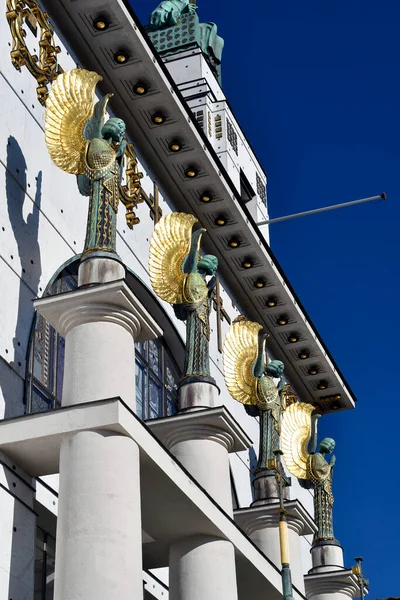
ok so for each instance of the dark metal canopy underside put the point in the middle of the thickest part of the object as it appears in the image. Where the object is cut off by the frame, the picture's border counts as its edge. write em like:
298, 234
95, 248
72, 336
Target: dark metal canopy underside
95, 51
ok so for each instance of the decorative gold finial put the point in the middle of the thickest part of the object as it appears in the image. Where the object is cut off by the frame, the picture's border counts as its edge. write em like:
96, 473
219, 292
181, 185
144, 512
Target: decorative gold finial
44, 67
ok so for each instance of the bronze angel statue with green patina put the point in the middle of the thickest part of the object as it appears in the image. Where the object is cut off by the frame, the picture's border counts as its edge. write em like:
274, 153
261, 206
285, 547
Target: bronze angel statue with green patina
249, 377
306, 460
178, 275
81, 143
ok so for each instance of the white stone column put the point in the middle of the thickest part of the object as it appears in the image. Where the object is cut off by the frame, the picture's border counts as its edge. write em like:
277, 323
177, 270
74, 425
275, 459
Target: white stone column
99, 545
99, 552
260, 523
203, 447
201, 440
203, 451
203, 567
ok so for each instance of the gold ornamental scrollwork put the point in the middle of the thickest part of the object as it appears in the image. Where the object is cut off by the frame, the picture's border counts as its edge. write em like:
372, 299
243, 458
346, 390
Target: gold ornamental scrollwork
131, 192
44, 67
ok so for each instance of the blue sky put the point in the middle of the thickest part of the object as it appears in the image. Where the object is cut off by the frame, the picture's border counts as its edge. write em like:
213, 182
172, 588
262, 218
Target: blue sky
316, 88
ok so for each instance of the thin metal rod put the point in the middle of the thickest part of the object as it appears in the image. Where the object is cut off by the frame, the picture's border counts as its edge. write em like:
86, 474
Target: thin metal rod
320, 210
286, 574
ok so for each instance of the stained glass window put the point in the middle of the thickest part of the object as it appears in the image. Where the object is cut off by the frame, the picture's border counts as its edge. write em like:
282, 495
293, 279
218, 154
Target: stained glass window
43, 383
157, 380
157, 375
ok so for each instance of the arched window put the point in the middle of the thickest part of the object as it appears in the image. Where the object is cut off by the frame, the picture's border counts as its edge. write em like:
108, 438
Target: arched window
157, 371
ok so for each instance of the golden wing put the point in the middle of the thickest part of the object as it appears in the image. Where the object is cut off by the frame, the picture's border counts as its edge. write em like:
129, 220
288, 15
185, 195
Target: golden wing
69, 106
170, 244
240, 352
295, 434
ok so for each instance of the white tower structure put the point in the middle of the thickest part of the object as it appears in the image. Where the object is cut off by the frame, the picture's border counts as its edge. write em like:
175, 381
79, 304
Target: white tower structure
200, 86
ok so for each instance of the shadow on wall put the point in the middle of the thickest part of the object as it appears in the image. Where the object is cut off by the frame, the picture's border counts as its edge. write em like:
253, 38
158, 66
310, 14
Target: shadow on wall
23, 534
26, 235
252, 465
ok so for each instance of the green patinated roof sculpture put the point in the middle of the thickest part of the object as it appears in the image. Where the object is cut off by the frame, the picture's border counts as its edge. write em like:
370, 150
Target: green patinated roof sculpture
174, 25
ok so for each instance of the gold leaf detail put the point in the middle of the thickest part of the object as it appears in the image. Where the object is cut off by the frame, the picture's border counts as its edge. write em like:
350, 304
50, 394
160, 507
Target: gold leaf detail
169, 246
69, 105
240, 352
44, 68
295, 434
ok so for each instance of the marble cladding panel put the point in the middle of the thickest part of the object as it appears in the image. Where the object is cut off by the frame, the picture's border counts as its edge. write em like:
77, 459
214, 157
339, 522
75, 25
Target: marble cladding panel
17, 535
46, 497
11, 390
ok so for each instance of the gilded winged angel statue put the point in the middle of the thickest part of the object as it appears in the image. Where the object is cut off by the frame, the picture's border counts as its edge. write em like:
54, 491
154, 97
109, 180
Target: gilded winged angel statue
249, 378
307, 463
178, 276
79, 142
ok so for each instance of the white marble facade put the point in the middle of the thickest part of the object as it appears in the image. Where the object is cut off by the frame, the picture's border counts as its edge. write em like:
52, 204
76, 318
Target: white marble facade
42, 225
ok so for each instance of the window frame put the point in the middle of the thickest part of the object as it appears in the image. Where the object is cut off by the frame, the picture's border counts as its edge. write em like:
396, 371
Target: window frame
161, 380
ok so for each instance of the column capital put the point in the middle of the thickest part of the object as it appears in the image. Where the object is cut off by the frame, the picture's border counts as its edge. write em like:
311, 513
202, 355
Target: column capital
332, 582
255, 518
216, 424
111, 302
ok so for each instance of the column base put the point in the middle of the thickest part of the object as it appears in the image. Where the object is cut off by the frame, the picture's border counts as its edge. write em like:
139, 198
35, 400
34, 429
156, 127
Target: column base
327, 555
198, 395
266, 488
100, 267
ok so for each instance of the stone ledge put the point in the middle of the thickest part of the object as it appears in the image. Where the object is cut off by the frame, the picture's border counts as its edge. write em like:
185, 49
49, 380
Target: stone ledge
332, 582
174, 506
201, 424
257, 517
112, 302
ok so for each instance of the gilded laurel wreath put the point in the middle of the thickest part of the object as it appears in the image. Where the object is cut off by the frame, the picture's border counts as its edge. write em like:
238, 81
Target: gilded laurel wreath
240, 352
72, 118
169, 246
295, 434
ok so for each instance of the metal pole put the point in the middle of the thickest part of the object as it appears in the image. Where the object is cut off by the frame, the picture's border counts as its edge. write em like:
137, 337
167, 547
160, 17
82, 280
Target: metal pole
320, 210
287, 588
362, 582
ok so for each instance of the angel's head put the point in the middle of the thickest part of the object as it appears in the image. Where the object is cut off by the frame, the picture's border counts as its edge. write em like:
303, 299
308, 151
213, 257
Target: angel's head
208, 264
327, 445
115, 129
275, 368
